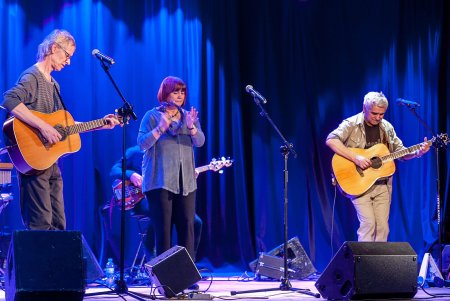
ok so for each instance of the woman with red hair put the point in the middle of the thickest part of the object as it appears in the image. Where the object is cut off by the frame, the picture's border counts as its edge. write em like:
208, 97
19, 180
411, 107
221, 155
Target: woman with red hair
167, 135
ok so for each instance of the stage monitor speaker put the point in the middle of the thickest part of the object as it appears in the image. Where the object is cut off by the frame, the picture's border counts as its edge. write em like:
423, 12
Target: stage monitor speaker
370, 270
173, 271
45, 265
93, 269
271, 266
299, 264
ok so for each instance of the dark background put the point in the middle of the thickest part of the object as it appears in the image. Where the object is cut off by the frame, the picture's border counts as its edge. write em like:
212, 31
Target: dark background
313, 60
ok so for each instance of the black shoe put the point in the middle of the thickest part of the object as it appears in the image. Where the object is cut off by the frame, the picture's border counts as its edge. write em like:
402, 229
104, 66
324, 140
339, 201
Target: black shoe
194, 287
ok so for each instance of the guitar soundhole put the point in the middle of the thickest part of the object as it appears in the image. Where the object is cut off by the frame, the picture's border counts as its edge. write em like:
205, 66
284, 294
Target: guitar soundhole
376, 162
62, 131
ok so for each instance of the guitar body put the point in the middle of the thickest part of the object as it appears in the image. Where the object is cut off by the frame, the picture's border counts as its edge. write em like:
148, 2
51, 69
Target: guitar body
352, 180
28, 152
133, 194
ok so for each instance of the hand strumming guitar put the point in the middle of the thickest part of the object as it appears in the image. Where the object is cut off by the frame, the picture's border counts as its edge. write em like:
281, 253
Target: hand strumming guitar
136, 179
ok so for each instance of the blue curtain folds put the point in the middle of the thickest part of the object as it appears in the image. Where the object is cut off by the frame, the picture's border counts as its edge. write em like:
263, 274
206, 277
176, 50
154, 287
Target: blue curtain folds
313, 60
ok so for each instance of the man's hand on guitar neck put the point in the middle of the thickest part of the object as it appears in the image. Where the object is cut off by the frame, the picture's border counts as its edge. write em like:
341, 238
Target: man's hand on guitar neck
112, 120
424, 148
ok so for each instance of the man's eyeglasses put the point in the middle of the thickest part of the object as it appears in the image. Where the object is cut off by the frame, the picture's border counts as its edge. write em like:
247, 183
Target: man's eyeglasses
65, 51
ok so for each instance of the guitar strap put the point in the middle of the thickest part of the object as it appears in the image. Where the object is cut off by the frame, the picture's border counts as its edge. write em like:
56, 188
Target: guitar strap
55, 108
384, 138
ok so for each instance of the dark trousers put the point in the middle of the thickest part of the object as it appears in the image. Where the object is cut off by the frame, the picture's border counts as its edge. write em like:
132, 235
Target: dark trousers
167, 208
41, 200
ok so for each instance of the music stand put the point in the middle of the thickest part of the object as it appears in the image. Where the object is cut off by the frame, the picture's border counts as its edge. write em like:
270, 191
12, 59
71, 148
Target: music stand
286, 149
126, 111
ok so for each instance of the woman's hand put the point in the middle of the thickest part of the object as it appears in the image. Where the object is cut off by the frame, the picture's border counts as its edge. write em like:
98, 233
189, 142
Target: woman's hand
191, 117
164, 122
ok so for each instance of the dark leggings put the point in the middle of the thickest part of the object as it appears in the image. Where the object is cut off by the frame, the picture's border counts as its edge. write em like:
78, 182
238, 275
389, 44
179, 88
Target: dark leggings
167, 208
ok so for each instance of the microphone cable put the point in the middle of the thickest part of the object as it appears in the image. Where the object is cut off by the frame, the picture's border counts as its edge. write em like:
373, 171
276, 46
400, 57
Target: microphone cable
333, 182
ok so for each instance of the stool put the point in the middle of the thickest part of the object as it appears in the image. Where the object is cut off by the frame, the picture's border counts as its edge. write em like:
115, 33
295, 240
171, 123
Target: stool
142, 220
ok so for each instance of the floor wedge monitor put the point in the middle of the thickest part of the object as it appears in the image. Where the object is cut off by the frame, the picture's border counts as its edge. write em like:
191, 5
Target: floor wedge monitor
173, 271
370, 270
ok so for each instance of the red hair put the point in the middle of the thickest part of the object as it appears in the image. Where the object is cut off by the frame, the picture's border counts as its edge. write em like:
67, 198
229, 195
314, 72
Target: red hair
170, 84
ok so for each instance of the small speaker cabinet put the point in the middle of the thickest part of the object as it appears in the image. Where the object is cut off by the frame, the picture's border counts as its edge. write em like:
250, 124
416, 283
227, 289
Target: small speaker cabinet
173, 271
298, 261
270, 266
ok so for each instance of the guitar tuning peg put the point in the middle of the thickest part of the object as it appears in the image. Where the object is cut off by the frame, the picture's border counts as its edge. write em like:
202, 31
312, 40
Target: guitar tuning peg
213, 160
220, 171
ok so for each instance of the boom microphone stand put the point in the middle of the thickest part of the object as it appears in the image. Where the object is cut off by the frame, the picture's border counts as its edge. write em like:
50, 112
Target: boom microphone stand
286, 149
440, 141
126, 111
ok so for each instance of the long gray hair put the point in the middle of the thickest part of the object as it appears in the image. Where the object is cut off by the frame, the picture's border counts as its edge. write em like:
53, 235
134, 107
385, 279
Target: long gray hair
59, 36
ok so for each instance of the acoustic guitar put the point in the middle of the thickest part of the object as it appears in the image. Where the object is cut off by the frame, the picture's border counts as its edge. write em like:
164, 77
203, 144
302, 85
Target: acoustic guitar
354, 181
29, 150
133, 194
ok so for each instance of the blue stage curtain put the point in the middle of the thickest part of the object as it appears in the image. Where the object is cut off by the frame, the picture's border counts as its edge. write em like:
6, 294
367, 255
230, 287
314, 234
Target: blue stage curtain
313, 60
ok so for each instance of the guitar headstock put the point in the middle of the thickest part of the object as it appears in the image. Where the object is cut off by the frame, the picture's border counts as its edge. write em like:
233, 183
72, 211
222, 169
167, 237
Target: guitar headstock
440, 140
217, 165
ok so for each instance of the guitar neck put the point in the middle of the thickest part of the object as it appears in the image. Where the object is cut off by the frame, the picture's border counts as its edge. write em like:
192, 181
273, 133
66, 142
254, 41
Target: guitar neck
403, 152
86, 126
203, 168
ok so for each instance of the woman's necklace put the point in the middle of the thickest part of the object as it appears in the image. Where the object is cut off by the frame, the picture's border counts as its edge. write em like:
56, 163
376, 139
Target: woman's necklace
171, 116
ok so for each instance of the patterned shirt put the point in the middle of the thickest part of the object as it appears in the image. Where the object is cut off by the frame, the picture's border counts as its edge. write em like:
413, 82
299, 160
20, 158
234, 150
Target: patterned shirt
35, 92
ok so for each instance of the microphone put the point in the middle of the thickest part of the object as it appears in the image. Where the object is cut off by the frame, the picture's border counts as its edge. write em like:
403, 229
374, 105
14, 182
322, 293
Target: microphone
103, 57
407, 103
255, 93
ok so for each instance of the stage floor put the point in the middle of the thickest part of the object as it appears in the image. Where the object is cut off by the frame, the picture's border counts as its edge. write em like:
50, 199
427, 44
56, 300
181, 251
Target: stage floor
221, 287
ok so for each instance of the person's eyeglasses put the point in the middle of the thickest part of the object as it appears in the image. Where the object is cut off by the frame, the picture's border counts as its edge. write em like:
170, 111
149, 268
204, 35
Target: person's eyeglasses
65, 51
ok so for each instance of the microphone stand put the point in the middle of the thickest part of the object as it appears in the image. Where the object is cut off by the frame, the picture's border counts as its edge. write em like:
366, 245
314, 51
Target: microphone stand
126, 111
286, 149
438, 143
